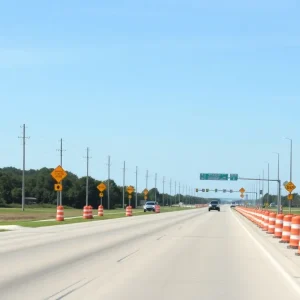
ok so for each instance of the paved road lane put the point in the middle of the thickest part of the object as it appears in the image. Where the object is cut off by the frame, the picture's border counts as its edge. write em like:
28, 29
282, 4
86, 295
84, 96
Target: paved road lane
182, 255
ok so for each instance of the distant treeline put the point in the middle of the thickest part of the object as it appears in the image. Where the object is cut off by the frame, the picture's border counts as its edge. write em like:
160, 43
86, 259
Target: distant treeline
40, 185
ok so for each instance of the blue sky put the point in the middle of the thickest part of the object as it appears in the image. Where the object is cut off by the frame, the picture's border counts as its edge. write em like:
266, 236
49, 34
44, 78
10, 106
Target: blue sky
176, 87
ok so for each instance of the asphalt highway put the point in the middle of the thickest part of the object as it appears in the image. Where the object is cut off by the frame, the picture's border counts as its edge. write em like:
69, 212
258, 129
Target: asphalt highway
192, 254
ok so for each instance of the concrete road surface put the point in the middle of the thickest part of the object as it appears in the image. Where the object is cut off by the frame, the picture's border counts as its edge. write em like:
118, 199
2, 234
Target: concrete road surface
192, 254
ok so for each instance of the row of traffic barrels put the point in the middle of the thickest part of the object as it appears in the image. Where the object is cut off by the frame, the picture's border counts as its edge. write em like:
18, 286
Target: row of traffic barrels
285, 227
201, 205
88, 212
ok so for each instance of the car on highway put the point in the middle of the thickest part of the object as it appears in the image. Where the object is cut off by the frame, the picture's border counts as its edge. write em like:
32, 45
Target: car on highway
214, 205
233, 204
149, 206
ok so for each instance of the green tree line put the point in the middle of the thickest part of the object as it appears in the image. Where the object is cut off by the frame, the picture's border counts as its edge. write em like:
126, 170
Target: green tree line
284, 200
40, 185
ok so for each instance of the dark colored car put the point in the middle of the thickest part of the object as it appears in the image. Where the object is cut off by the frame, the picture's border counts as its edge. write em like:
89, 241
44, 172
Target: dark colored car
214, 205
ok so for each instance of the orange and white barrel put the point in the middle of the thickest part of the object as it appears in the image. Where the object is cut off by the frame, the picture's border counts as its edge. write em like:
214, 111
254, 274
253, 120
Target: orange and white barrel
278, 226
86, 212
295, 233
128, 211
298, 252
262, 219
60, 215
157, 209
91, 212
286, 229
100, 211
266, 222
272, 221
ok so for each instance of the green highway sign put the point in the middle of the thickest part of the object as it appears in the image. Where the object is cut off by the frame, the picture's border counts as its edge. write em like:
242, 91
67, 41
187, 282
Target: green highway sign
218, 176
234, 177
213, 176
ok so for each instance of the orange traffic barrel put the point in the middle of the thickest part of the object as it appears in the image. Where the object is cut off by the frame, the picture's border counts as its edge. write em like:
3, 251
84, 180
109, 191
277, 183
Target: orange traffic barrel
128, 211
91, 212
278, 226
298, 253
100, 211
60, 215
257, 217
295, 233
262, 222
286, 229
262, 219
86, 212
266, 223
272, 220
157, 209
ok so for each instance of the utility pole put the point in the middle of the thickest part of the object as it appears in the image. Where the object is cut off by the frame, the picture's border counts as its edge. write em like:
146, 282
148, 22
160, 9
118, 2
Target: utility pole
263, 183
259, 191
279, 187
108, 182
291, 166
170, 192
268, 182
87, 177
164, 190
61, 163
155, 186
186, 194
136, 186
23, 137
147, 176
179, 194
124, 186
175, 200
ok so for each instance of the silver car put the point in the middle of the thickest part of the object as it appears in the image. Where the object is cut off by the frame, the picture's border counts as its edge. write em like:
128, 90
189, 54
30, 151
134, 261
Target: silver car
149, 206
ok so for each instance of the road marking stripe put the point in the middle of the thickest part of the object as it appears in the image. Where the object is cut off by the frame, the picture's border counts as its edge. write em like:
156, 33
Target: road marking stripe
283, 272
123, 258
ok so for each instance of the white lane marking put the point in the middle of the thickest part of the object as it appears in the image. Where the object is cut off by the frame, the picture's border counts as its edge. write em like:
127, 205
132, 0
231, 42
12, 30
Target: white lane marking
125, 257
282, 271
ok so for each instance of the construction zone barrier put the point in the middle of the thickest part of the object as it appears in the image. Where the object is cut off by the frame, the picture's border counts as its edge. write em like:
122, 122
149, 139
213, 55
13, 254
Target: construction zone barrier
278, 226
60, 215
284, 227
271, 226
157, 209
298, 253
295, 233
200, 205
88, 212
100, 211
266, 221
128, 211
91, 212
